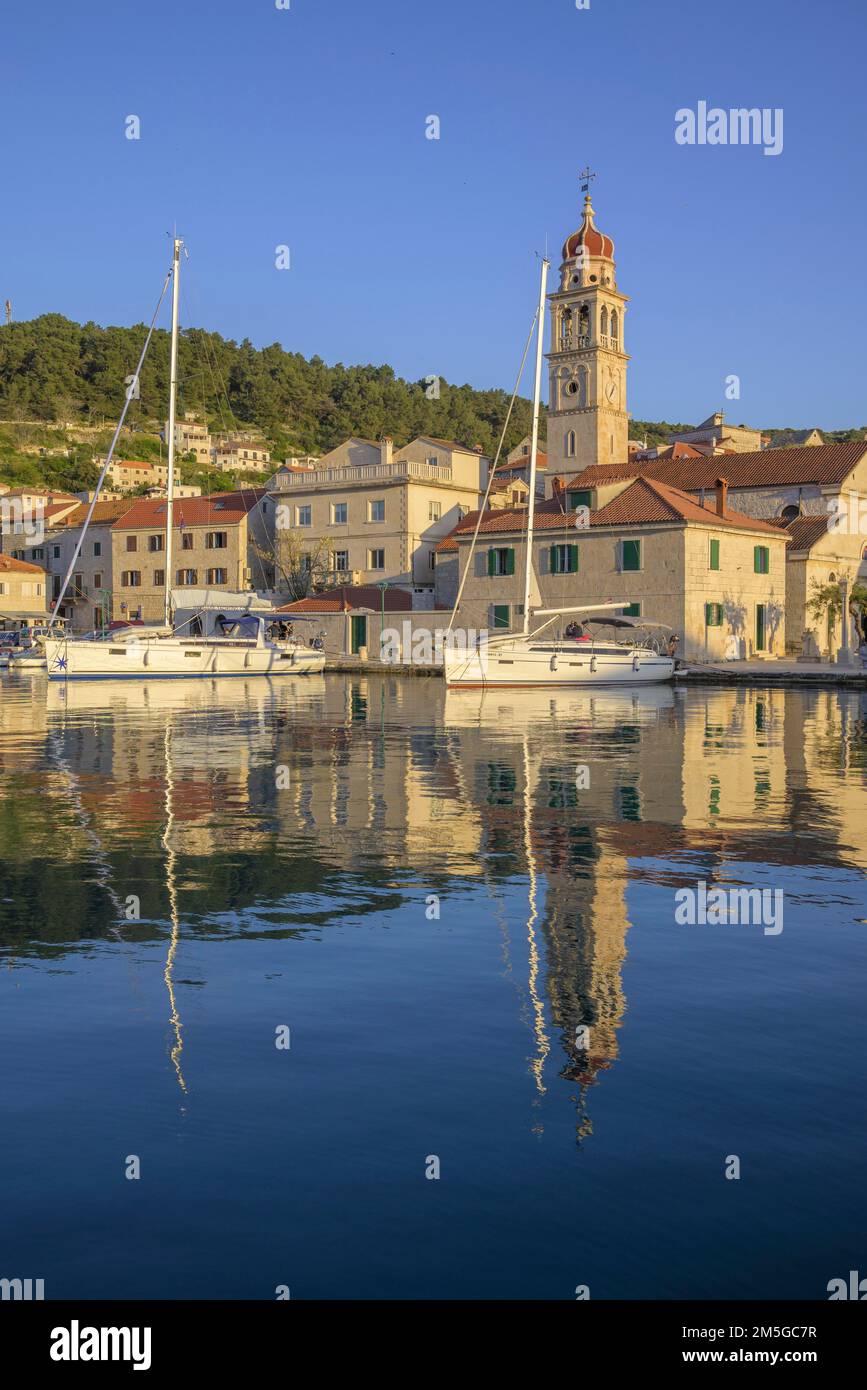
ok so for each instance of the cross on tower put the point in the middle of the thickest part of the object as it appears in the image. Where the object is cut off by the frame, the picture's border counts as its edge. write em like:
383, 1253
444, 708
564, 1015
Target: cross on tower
586, 176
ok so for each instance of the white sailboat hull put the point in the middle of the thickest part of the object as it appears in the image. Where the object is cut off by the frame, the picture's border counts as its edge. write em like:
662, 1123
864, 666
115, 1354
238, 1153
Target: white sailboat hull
176, 658
554, 664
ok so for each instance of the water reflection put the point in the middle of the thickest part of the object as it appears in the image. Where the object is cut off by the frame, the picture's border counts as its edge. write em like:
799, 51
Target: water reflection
255, 809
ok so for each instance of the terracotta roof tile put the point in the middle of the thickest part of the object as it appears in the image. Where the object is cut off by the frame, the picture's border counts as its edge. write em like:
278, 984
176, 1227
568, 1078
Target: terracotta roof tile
644, 502
804, 531
10, 566
821, 463
227, 508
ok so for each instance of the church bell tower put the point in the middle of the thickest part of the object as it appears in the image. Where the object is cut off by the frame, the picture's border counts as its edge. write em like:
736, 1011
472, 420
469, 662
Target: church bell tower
587, 418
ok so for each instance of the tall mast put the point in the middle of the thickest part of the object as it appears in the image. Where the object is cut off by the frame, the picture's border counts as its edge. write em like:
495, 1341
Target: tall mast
173, 392
534, 445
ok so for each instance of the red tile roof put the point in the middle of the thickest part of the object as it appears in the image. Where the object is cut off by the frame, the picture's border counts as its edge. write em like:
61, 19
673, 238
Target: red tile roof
644, 502
10, 566
227, 508
804, 531
819, 464
104, 513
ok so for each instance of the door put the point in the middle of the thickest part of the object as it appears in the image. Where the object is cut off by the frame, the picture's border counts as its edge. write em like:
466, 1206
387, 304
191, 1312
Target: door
358, 633
760, 627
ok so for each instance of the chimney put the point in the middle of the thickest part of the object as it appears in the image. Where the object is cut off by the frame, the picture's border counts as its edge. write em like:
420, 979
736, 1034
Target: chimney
722, 492
386, 445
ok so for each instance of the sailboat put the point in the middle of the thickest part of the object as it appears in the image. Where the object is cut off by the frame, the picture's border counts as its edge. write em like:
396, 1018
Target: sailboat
530, 658
246, 647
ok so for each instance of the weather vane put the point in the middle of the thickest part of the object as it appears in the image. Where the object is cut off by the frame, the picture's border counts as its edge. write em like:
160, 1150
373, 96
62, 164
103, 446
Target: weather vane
586, 176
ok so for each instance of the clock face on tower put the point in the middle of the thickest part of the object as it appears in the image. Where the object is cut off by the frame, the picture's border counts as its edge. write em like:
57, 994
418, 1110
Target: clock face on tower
611, 392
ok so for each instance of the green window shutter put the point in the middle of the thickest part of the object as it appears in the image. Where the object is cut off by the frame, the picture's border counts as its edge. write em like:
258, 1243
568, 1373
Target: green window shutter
761, 556
714, 555
510, 561
632, 555
573, 559
491, 562
714, 614
580, 499
500, 615
555, 559
632, 610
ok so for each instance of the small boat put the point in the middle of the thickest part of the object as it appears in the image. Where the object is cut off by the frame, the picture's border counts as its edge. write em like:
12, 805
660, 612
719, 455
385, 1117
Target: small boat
536, 660
530, 658
152, 654
163, 652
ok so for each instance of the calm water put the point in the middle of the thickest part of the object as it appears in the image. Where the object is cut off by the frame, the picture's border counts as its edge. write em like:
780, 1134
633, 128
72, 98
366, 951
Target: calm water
290, 846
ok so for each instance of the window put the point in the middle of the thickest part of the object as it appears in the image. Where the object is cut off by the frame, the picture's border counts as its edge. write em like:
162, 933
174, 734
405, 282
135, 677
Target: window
130, 579
713, 614
569, 445
187, 540
376, 559
78, 584
97, 548
131, 543
216, 540
376, 510
97, 579
432, 559
632, 610
790, 513
186, 578
564, 559
501, 561
713, 562
630, 555
55, 586
303, 516
582, 498
434, 511
499, 615
614, 324
157, 542
159, 579
761, 559
55, 551
341, 559
338, 513
216, 576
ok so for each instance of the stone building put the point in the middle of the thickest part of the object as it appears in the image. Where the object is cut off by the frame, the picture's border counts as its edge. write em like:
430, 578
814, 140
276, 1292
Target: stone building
715, 576
380, 512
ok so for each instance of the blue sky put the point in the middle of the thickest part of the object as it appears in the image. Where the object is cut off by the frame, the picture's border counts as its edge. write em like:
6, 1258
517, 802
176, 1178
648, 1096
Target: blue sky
306, 127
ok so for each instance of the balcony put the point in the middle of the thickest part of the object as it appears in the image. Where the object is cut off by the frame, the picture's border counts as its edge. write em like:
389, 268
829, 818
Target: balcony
364, 473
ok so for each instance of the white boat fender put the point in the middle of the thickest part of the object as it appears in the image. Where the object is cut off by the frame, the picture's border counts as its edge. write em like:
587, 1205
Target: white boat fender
635, 662
554, 662
593, 663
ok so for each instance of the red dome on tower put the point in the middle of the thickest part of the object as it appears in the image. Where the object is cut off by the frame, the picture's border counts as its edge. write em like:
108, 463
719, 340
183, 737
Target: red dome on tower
589, 236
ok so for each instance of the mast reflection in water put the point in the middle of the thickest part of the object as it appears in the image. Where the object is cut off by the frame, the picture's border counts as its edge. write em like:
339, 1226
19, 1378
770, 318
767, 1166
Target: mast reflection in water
461, 906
